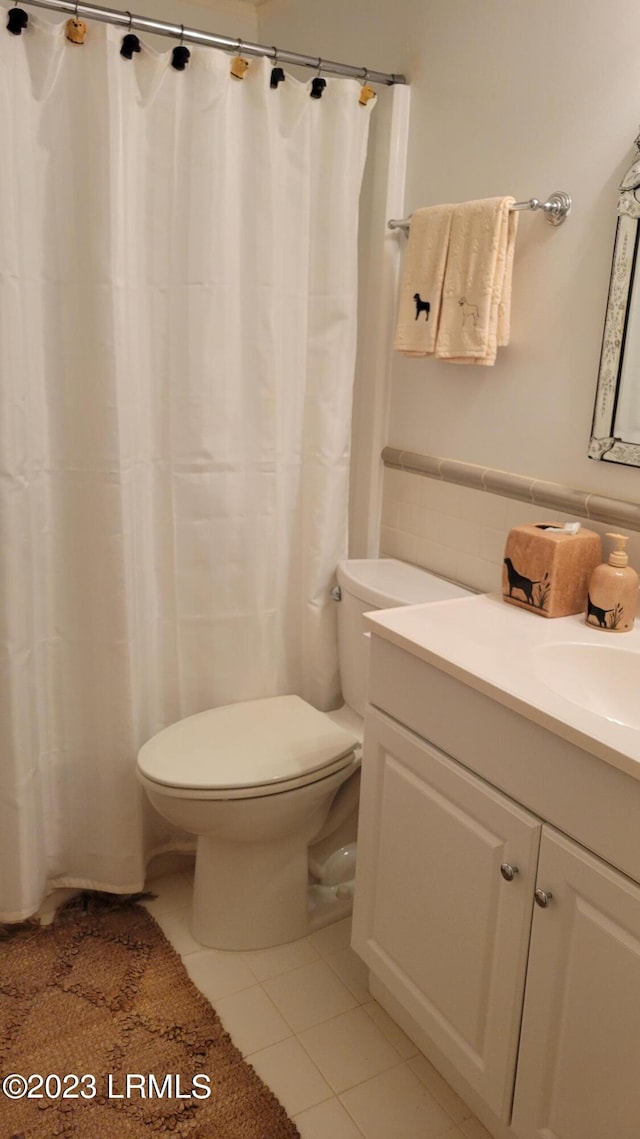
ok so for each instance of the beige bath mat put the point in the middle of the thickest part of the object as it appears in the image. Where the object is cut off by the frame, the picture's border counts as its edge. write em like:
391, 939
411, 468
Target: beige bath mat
98, 1013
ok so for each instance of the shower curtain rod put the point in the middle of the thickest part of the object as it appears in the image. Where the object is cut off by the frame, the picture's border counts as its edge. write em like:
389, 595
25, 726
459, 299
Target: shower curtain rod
191, 35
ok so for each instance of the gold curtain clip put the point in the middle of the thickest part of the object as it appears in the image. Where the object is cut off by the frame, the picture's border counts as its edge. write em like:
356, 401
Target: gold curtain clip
76, 29
238, 64
366, 92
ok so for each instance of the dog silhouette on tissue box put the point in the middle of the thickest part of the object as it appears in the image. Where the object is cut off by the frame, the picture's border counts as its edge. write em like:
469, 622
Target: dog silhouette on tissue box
547, 567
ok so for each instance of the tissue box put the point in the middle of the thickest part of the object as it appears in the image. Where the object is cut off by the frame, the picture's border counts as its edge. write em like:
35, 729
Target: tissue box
548, 572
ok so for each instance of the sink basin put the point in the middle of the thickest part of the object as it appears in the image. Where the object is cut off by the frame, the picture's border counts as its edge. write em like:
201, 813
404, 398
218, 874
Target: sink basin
603, 679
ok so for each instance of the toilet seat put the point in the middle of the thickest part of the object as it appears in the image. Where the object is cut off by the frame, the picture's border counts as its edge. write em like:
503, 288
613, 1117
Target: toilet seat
247, 750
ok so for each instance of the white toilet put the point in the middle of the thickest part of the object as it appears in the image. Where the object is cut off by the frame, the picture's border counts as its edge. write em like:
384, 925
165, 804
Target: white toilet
270, 787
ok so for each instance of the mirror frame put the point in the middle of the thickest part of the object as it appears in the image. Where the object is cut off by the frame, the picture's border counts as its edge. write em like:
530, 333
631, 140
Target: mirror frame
604, 445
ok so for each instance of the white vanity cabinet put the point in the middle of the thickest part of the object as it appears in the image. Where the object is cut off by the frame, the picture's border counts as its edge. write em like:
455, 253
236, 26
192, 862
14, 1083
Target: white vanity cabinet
579, 1060
446, 872
509, 951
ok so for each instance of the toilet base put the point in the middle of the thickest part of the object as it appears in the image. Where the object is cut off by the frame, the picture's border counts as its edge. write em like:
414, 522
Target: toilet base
285, 904
273, 910
254, 890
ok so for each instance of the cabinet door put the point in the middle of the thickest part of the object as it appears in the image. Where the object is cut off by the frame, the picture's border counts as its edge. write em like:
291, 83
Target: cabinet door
579, 1063
434, 918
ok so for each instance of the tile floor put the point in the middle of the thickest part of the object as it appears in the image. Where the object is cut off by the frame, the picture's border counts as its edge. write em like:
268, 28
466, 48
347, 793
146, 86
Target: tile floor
302, 1015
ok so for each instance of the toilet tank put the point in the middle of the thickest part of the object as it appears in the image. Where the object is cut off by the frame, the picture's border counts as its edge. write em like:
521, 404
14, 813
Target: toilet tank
377, 583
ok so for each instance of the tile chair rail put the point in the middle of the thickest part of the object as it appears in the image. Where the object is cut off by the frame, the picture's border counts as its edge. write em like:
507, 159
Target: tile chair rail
536, 492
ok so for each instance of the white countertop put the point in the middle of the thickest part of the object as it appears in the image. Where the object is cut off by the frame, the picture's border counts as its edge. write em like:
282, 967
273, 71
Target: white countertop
491, 646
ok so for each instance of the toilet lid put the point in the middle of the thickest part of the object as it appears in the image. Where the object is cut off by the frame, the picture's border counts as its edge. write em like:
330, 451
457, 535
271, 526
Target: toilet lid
251, 744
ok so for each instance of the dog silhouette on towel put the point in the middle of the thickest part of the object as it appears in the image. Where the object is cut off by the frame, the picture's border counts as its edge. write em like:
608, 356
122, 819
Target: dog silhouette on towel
421, 306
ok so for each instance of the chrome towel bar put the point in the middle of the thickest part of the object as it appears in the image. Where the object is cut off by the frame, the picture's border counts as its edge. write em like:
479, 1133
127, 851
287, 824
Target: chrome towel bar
556, 209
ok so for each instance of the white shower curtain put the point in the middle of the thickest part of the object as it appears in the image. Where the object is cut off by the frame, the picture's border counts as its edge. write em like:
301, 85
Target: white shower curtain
177, 341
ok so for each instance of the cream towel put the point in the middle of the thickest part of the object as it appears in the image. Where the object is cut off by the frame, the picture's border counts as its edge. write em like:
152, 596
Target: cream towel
422, 280
476, 295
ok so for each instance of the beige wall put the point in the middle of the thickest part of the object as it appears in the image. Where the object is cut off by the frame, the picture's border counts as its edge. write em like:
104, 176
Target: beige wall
510, 98
507, 98
363, 32
232, 18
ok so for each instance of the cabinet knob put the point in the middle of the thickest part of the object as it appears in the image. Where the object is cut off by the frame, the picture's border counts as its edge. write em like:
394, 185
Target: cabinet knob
508, 872
543, 897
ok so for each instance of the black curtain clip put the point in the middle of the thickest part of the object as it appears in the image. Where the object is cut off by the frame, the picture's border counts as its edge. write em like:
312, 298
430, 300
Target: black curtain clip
17, 20
277, 74
130, 42
180, 55
318, 84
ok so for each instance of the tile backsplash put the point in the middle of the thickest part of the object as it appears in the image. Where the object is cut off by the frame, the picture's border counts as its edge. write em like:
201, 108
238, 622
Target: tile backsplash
460, 532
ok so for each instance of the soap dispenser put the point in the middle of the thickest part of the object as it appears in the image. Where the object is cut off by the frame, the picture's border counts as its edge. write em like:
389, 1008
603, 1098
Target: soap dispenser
613, 591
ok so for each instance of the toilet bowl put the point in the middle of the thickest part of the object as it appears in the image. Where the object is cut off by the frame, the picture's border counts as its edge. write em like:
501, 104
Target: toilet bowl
270, 787
255, 782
